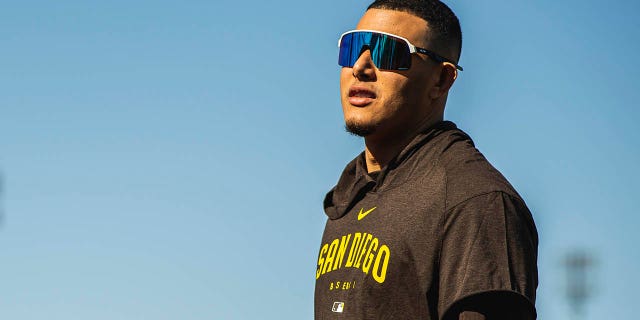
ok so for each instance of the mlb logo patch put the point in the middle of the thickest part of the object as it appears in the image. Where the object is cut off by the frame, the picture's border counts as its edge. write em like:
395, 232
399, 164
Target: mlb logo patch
338, 307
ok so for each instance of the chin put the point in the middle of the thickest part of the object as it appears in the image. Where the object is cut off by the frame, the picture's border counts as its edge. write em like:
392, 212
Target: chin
360, 129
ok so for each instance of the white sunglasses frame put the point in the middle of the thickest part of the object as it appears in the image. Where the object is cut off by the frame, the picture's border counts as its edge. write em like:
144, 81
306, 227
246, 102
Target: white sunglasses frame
412, 48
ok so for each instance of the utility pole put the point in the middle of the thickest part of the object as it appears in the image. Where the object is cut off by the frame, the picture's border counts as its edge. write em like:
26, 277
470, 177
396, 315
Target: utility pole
579, 265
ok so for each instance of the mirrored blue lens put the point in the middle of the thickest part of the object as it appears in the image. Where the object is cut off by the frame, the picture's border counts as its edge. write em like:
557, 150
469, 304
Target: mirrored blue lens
387, 52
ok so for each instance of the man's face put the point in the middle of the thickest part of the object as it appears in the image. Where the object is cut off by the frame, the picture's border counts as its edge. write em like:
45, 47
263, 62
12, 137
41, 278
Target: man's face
389, 103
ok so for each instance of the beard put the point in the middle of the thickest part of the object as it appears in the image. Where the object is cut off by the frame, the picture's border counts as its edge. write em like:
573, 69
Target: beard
359, 129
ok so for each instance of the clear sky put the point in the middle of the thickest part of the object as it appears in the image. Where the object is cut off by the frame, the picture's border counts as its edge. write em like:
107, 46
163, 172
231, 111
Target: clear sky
168, 159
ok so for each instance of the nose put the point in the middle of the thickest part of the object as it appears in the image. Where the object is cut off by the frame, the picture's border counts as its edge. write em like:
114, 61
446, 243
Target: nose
364, 69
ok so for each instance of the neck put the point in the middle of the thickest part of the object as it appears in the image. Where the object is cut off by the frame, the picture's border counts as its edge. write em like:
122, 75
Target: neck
379, 151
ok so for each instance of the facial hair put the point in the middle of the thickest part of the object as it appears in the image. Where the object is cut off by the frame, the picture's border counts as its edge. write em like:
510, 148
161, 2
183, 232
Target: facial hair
358, 129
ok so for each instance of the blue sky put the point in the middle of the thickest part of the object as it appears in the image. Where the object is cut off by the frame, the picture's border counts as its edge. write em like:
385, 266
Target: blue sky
167, 160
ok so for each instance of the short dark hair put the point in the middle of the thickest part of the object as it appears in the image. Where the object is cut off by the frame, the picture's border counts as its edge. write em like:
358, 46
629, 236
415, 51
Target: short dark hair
442, 21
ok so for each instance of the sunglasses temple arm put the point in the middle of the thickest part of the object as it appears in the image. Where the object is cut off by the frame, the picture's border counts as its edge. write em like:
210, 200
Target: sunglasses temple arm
437, 57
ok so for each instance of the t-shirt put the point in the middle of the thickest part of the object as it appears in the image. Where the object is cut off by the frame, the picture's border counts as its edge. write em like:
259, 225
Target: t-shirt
435, 228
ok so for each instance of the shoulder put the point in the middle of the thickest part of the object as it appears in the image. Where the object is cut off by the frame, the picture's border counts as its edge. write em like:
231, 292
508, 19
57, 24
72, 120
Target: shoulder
467, 172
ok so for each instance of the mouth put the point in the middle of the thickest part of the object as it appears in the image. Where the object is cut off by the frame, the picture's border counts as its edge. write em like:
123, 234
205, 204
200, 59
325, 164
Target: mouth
360, 96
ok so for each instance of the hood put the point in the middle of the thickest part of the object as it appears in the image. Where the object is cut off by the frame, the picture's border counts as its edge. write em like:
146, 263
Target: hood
355, 182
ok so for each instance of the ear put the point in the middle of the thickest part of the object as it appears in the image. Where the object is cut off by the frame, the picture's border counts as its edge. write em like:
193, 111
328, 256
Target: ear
444, 79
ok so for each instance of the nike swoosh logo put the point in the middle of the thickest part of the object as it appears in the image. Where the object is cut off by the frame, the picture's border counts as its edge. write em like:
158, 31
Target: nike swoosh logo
361, 214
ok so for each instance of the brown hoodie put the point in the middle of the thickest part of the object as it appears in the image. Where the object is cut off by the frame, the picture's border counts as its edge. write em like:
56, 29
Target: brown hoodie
436, 228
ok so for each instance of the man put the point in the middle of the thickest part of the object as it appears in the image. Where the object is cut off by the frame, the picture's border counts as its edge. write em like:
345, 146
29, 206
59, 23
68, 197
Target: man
420, 225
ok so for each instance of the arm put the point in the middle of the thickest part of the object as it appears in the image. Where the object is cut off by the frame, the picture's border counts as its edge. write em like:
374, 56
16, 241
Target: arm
497, 315
471, 315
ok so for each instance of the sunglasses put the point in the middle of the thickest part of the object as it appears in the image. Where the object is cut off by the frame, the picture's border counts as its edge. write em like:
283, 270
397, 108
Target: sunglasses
388, 51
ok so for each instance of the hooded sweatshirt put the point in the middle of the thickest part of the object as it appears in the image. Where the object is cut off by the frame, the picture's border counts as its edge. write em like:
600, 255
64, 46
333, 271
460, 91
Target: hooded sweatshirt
436, 228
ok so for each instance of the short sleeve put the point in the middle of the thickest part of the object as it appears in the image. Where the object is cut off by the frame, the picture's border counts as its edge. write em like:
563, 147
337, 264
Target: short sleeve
488, 254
